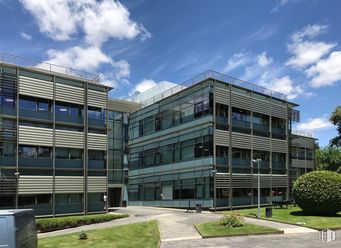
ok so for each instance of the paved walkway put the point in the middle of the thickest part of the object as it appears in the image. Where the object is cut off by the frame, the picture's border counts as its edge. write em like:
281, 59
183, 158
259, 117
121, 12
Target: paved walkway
175, 224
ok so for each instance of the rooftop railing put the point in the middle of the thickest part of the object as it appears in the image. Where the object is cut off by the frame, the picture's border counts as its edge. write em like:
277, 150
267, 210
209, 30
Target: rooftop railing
217, 76
36, 64
302, 133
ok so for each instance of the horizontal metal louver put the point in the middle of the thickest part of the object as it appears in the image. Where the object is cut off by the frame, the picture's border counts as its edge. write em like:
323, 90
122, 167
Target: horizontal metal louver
260, 106
65, 138
279, 145
35, 185
222, 137
241, 181
301, 163
70, 94
261, 143
97, 141
97, 184
241, 101
35, 87
97, 99
279, 111
279, 181
222, 96
241, 140
222, 180
35, 136
69, 184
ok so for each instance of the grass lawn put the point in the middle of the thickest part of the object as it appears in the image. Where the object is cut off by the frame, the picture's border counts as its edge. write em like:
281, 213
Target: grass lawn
295, 214
214, 229
144, 234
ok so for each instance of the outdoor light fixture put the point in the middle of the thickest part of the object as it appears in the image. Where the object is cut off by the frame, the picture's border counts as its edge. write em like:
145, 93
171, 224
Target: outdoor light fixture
258, 188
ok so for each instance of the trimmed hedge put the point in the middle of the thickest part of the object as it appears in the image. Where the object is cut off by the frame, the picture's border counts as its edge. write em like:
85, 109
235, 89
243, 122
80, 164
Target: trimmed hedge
58, 223
318, 192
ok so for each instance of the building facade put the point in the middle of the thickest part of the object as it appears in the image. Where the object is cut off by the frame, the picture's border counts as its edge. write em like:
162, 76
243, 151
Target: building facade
196, 146
65, 146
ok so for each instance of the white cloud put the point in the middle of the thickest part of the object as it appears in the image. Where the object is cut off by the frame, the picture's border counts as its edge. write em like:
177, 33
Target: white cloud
263, 60
280, 4
314, 124
307, 52
99, 20
237, 60
263, 33
326, 71
55, 18
25, 36
285, 86
144, 85
78, 57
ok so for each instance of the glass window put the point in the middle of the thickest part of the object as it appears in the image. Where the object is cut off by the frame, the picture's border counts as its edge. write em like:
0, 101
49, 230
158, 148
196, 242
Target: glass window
44, 152
43, 105
187, 150
62, 153
96, 155
43, 199
28, 104
62, 110
76, 153
27, 151
166, 154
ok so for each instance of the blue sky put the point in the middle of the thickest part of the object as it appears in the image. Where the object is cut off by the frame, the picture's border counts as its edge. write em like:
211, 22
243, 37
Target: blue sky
292, 46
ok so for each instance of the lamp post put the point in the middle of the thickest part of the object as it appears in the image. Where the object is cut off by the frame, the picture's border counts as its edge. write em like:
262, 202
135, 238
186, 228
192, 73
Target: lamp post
258, 188
17, 175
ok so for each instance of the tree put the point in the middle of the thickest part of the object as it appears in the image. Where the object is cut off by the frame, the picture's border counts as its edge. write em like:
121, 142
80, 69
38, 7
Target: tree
328, 158
335, 119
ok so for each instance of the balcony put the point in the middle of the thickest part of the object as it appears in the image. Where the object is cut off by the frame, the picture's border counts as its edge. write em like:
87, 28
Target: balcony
260, 127
222, 160
70, 118
241, 124
7, 161
97, 164
35, 162
241, 162
278, 133
69, 163
96, 122
8, 110
45, 115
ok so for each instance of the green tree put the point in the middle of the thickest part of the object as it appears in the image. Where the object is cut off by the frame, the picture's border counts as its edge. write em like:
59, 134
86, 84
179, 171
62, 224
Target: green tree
335, 119
328, 158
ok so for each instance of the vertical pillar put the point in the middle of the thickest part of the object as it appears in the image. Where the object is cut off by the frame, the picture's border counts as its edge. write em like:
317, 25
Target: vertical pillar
54, 148
17, 142
230, 147
85, 153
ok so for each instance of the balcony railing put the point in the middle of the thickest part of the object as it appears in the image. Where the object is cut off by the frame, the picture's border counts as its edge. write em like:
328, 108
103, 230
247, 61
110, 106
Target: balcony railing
260, 127
69, 163
241, 124
35, 162
70, 118
46, 115
8, 161
97, 164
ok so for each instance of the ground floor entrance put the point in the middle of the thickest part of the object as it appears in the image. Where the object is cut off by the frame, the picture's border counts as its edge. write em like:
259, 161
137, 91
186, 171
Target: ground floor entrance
115, 197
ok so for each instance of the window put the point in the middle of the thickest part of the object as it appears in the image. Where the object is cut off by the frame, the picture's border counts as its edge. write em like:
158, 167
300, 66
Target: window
166, 154
62, 153
44, 152
27, 151
141, 129
158, 122
96, 113
187, 150
28, 104
96, 155
76, 153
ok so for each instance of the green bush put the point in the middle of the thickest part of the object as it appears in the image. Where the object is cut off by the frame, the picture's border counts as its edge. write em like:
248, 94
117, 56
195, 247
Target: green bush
318, 192
58, 223
232, 220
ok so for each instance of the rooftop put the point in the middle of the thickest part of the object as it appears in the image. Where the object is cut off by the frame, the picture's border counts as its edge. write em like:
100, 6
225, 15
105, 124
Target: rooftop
43, 66
217, 76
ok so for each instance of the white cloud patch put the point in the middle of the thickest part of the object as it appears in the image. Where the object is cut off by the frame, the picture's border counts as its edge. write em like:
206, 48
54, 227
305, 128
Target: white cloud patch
236, 61
285, 86
144, 85
280, 4
307, 52
99, 20
263, 60
25, 36
314, 124
96, 22
326, 72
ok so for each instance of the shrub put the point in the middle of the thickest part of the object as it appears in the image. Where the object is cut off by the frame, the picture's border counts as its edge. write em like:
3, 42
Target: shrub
318, 192
233, 220
83, 236
58, 223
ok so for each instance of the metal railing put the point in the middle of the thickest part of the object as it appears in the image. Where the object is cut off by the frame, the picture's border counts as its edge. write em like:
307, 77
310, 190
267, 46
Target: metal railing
26, 62
302, 133
217, 76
